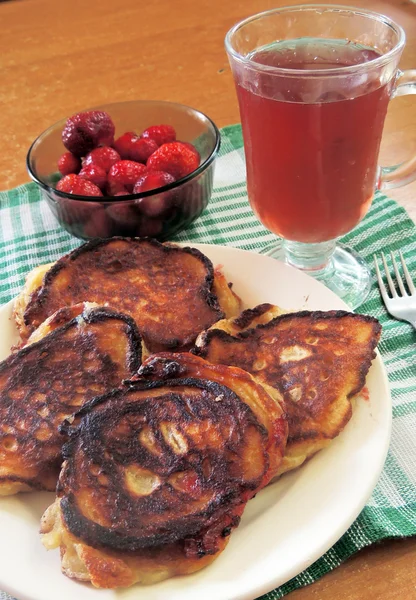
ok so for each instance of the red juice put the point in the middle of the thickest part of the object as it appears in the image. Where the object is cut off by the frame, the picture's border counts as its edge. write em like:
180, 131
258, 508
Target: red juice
312, 143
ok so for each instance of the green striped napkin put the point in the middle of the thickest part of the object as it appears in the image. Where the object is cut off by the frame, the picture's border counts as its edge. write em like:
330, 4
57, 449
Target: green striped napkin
29, 236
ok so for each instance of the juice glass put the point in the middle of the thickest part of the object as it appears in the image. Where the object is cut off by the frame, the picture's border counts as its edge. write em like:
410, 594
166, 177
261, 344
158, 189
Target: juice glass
313, 84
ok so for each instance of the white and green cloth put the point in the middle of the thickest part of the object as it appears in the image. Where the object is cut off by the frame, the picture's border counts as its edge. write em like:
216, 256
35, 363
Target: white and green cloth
29, 236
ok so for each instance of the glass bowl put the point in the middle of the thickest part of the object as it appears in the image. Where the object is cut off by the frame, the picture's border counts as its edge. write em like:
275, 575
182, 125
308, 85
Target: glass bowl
178, 204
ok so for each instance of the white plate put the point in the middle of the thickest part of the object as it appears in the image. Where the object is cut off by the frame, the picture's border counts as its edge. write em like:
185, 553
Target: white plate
284, 529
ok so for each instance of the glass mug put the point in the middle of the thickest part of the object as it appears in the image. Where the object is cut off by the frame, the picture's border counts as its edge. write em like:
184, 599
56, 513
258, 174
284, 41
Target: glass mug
313, 84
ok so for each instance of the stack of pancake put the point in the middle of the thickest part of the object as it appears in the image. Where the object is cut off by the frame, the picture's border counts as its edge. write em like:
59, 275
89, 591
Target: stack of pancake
157, 409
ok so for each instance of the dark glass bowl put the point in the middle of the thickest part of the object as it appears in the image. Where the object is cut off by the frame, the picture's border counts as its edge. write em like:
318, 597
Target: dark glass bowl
176, 205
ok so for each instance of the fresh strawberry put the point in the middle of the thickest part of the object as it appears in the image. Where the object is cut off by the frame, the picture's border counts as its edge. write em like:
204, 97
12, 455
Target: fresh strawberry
99, 225
123, 175
154, 206
123, 143
192, 147
150, 227
73, 184
95, 174
104, 157
76, 212
132, 147
141, 149
123, 213
161, 134
174, 158
157, 205
152, 180
69, 163
87, 130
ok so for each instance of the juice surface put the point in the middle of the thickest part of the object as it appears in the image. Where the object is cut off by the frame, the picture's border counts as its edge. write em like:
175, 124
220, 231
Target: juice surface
312, 145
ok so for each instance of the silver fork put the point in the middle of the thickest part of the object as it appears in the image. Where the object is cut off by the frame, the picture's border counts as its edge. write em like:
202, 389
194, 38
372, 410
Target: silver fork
401, 306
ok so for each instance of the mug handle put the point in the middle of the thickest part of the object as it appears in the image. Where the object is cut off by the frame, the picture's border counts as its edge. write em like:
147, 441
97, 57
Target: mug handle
405, 172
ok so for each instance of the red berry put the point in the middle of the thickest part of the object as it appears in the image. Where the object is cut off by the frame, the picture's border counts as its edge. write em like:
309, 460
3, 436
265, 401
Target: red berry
192, 147
67, 183
87, 130
99, 225
69, 163
123, 213
150, 227
157, 205
85, 219
116, 189
161, 134
76, 212
104, 157
73, 184
174, 158
131, 147
123, 175
123, 144
152, 180
142, 149
95, 174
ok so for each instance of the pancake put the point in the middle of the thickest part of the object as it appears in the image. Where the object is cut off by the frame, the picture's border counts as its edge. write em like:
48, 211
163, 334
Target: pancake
43, 383
157, 474
172, 293
317, 360
33, 282
61, 317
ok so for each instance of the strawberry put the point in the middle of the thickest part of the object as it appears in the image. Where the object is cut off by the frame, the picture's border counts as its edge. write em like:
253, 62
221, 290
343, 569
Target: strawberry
152, 180
73, 184
69, 163
123, 175
95, 174
174, 158
161, 134
99, 225
193, 149
103, 157
87, 130
141, 149
123, 143
156, 205
123, 213
132, 147
150, 227
76, 212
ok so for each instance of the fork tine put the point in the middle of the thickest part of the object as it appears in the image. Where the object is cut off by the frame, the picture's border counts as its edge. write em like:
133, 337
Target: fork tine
381, 285
398, 276
388, 277
407, 275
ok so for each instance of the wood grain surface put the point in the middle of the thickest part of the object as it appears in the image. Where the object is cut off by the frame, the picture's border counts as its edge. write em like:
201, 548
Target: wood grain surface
60, 56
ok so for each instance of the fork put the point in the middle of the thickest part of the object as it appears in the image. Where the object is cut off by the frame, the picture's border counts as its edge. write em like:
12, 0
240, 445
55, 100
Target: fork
401, 306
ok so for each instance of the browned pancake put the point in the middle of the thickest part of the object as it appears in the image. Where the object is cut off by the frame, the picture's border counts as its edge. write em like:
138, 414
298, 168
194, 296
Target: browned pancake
317, 360
59, 318
267, 406
157, 474
48, 380
171, 292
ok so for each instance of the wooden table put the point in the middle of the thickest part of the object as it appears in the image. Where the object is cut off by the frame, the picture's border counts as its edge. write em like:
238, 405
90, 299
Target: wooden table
57, 57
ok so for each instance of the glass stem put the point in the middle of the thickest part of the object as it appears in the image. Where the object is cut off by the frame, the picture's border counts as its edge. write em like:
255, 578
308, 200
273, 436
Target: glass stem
309, 257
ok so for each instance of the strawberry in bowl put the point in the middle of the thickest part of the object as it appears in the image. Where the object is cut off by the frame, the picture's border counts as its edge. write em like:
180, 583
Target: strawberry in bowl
141, 168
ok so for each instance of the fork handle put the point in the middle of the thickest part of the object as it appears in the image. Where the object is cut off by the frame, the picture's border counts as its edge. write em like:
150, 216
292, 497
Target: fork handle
405, 172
